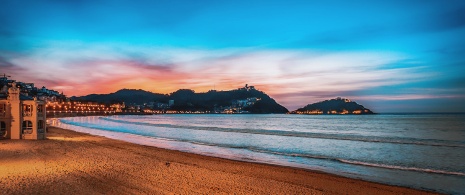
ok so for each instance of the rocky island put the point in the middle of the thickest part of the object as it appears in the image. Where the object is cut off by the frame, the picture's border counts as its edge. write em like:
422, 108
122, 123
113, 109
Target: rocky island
334, 106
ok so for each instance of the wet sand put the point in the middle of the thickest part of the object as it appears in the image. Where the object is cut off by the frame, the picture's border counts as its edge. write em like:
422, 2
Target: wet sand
75, 163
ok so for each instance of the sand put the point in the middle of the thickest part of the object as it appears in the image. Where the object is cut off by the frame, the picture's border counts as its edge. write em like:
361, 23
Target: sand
75, 163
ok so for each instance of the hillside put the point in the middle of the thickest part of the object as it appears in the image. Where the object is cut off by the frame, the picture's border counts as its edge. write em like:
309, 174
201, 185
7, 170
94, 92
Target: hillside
188, 100
334, 106
130, 96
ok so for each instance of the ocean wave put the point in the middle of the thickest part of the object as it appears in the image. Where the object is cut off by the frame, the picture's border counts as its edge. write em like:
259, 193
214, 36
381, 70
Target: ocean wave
394, 140
417, 169
282, 153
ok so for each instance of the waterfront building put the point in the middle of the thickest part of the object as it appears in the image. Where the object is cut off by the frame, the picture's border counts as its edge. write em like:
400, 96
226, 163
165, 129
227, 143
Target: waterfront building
21, 116
117, 107
80, 108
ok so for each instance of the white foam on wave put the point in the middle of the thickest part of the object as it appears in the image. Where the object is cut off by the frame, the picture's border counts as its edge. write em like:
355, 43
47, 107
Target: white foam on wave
402, 168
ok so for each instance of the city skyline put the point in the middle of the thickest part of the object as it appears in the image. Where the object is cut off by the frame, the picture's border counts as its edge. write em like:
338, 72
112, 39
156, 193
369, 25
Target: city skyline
389, 56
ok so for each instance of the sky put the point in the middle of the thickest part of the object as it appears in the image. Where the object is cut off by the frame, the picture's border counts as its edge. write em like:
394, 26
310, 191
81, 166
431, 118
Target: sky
390, 56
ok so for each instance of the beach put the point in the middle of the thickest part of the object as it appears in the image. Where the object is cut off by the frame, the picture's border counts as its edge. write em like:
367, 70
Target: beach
69, 162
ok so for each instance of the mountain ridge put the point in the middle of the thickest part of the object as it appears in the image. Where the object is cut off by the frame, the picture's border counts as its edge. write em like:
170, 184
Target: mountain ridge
186, 99
134, 96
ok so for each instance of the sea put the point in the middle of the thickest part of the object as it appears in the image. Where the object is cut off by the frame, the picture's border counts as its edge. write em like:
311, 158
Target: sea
421, 151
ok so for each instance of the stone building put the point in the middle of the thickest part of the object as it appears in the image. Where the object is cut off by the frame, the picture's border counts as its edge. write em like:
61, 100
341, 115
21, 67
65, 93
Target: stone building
21, 116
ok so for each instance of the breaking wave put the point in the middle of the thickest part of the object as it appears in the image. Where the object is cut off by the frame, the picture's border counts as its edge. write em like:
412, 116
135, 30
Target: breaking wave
394, 140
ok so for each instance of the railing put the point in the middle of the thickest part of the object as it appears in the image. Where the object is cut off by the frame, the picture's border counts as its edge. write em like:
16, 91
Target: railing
27, 113
27, 131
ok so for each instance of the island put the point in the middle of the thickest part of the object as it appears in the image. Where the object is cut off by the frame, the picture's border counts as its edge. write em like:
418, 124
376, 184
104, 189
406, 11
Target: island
339, 106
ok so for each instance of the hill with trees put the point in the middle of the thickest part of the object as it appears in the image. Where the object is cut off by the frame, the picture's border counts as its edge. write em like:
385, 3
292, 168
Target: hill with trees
255, 101
131, 96
333, 106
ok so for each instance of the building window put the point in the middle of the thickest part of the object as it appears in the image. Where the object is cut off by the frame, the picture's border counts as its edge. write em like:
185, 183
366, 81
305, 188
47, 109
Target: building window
27, 127
40, 126
2, 129
27, 110
40, 108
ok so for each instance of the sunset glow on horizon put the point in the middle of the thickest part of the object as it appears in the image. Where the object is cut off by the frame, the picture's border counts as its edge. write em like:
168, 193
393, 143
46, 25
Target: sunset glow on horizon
390, 56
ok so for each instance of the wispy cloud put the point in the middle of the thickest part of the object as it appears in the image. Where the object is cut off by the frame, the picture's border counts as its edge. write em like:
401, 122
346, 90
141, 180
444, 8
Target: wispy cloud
289, 75
407, 97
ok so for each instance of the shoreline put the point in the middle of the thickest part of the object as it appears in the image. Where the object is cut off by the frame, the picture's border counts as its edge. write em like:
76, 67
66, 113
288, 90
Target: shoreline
74, 162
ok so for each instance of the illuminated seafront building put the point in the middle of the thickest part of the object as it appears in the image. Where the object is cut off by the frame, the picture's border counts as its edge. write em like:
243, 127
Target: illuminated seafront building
66, 108
21, 116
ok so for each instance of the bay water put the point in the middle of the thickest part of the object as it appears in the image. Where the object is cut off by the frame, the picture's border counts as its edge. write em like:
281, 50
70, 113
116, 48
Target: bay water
422, 151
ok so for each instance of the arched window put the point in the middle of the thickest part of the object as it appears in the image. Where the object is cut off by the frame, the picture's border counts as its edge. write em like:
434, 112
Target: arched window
2, 129
40, 126
27, 127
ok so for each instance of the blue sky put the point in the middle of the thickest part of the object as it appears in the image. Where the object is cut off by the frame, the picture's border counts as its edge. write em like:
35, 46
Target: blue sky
391, 56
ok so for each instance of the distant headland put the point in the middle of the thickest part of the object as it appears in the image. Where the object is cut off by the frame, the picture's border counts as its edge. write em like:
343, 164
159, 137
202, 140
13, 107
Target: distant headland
238, 101
334, 106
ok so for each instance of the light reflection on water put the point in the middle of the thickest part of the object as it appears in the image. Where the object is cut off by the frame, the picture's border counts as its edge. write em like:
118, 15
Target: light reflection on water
420, 151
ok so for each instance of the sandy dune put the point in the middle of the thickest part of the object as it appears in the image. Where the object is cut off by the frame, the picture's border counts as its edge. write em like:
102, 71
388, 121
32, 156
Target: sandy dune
75, 163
